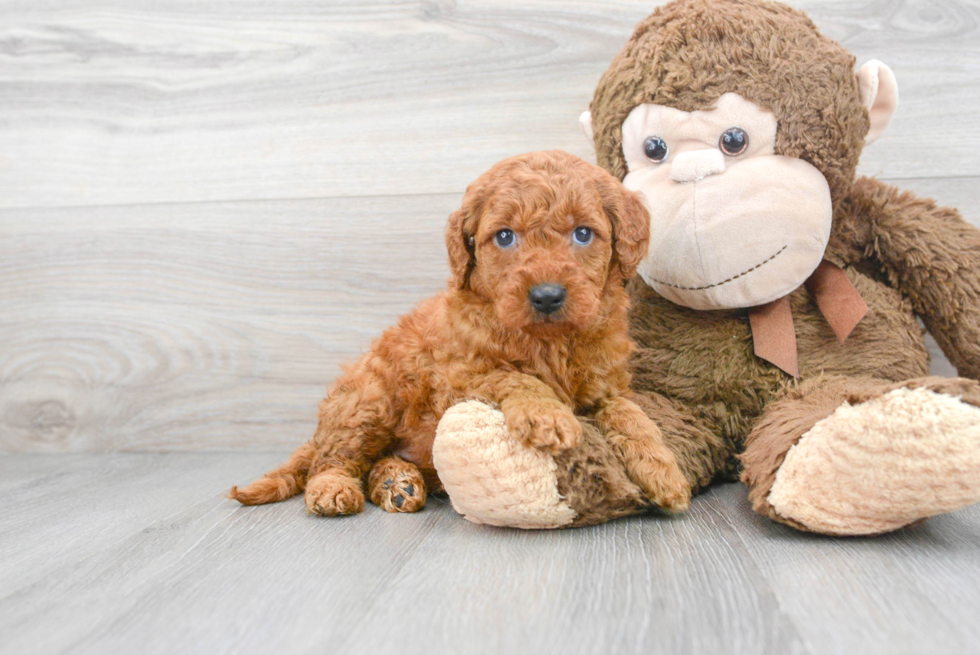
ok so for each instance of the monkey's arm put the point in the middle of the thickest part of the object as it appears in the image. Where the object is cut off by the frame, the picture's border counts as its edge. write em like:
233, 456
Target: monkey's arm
932, 256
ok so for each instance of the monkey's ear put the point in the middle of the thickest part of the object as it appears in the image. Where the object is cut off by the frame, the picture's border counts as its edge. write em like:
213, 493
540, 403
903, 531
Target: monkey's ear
585, 120
631, 229
460, 247
879, 95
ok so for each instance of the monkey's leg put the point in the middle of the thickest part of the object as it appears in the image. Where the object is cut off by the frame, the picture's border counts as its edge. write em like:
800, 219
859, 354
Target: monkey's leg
857, 456
395, 485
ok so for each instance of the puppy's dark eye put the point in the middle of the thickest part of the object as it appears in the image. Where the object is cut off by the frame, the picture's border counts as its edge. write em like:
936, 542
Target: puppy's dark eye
505, 238
582, 236
734, 141
655, 149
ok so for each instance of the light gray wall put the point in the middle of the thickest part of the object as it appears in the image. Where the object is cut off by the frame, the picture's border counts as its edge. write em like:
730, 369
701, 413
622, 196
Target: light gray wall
205, 208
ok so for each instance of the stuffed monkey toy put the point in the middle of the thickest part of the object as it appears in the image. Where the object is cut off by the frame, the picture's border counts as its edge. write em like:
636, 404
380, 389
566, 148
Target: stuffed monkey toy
775, 312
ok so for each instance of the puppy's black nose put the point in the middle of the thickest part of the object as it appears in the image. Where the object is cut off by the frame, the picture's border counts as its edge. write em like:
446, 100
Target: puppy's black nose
547, 298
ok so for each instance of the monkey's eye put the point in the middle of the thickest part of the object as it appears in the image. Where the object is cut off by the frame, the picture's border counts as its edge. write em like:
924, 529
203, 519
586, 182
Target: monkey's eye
734, 141
655, 149
582, 236
505, 238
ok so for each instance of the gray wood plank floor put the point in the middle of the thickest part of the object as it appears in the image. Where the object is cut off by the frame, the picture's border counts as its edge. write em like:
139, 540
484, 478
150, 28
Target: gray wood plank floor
205, 208
114, 553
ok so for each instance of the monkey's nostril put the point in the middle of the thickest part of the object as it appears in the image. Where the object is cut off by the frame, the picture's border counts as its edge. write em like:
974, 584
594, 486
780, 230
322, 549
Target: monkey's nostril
547, 298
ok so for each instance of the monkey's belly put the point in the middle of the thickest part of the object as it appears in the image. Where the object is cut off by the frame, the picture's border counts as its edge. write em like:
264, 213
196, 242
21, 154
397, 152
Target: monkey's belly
705, 359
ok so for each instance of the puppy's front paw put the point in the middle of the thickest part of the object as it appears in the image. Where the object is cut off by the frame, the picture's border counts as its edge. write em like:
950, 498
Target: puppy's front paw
662, 481
331, 494
547, 425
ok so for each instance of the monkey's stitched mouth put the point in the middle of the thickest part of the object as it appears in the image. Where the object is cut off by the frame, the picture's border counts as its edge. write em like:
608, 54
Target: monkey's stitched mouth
734, 277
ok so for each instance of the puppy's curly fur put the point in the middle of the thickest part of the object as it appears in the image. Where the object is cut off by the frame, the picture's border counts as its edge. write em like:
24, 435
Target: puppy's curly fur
483, 339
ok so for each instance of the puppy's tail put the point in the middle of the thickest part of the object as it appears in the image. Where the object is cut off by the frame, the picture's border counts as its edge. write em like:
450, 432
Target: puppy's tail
279, 484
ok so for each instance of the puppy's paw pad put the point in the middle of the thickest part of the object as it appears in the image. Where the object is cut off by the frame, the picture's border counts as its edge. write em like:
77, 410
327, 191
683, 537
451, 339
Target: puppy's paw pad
403, 493
334, 496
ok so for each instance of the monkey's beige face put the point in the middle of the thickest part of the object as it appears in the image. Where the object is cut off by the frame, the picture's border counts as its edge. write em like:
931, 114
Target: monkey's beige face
732, 224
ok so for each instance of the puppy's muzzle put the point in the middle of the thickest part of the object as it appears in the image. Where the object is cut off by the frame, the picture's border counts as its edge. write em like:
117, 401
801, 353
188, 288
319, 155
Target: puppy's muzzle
547, 298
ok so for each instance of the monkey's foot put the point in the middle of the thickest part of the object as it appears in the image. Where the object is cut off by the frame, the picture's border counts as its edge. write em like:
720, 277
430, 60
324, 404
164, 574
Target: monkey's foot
882, 464
491, 477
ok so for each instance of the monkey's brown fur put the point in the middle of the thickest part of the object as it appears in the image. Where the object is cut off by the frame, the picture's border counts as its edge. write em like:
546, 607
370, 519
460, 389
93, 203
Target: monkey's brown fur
687, 54
719, 406
481, 339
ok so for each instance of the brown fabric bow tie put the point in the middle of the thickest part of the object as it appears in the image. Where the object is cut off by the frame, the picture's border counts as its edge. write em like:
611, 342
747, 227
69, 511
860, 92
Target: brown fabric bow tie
773, 334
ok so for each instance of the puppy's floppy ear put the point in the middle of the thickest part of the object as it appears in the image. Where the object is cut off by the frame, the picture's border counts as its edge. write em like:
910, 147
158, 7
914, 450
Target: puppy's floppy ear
630, 223
460, 246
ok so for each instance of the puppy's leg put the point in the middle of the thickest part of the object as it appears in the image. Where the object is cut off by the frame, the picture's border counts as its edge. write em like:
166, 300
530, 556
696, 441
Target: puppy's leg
534, 414
395, 485
334, 493
357, 422
649, 463
542, 423
335, 486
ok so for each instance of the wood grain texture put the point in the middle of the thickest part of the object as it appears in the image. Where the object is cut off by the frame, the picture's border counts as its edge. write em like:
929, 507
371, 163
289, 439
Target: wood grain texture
205, 208
144, 554
199, 325
215, 325
168, 101
172, 323
924, 580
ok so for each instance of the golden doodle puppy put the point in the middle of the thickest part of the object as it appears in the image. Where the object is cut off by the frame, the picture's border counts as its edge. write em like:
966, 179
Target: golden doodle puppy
533, 322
